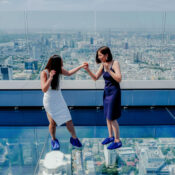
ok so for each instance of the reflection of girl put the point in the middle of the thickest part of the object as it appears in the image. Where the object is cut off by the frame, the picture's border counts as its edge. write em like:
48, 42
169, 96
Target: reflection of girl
55, 106
112, 94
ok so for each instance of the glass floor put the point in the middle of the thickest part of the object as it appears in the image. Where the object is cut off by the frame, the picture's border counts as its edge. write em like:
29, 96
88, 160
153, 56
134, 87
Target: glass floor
146, 150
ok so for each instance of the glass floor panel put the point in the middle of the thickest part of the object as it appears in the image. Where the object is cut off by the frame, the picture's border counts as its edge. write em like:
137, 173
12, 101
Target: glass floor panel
20, 148
146, 150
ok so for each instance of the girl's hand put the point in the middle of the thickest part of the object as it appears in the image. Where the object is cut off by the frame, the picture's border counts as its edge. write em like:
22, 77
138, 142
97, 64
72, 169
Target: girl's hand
85, 65
106, 66
52, 73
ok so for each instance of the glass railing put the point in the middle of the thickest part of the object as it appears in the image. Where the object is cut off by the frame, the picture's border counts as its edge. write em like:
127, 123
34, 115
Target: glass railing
142, 42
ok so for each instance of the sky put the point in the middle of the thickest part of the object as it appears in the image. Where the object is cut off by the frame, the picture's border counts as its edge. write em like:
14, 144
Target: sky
88, 5
85, 14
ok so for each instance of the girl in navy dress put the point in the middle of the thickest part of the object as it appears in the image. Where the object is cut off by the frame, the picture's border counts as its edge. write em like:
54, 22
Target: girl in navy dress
110, 70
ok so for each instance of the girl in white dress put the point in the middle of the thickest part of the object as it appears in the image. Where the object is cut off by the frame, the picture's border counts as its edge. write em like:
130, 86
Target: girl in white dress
53, 101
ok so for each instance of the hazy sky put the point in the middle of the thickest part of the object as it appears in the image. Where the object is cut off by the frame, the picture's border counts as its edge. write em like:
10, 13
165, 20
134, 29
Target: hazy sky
86, 14
88, 5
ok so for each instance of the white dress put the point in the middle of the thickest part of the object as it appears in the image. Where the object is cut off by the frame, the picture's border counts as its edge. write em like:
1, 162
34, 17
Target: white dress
55, 105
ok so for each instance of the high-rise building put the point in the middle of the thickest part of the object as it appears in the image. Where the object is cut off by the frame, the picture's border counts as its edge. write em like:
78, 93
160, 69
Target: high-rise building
91, 40
47, 43
6, 72
126, 46
72, 44
58, 36
110, 157
16, 44
31, 64
152, 161
137, 57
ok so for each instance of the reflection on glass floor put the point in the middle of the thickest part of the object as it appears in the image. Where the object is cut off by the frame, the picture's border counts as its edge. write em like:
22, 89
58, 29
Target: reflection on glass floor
146, 150
137, 156
20, 148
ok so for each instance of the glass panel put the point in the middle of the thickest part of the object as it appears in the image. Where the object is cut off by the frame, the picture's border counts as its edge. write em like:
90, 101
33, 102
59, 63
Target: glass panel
65, 33
20, 148
137, 156
141, 40
23, 151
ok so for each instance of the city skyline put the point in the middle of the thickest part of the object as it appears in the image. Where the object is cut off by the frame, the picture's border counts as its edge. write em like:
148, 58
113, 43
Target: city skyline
35, 21
142, 55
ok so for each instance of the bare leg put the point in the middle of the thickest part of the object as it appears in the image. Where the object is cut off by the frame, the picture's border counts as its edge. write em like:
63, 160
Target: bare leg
70, 127
115, 128
52, 126
109, 125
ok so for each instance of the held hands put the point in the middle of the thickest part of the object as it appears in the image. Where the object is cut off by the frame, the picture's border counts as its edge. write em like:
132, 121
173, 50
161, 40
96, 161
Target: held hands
52, 73
106, 65
85, 65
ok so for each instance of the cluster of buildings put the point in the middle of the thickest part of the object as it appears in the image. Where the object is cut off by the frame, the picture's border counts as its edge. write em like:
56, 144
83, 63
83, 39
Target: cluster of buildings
137, 156
142, 55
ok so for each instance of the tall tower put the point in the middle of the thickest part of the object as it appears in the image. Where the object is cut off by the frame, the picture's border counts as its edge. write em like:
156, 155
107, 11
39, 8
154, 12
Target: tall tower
6, 72
126, 45
91, 40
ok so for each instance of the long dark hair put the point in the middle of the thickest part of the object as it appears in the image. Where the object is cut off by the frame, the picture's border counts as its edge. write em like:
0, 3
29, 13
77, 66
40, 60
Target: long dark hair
104, 50
55, 63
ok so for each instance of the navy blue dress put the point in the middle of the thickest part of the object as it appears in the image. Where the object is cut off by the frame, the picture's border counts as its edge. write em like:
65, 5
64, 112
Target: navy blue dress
111, 97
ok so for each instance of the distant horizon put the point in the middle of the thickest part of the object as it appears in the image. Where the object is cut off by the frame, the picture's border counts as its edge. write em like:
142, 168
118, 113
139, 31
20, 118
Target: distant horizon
88, 20
31, 31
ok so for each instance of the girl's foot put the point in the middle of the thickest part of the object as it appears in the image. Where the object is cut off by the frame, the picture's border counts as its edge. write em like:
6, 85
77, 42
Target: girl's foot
75, 142
115, 145
107, 140
55, 145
